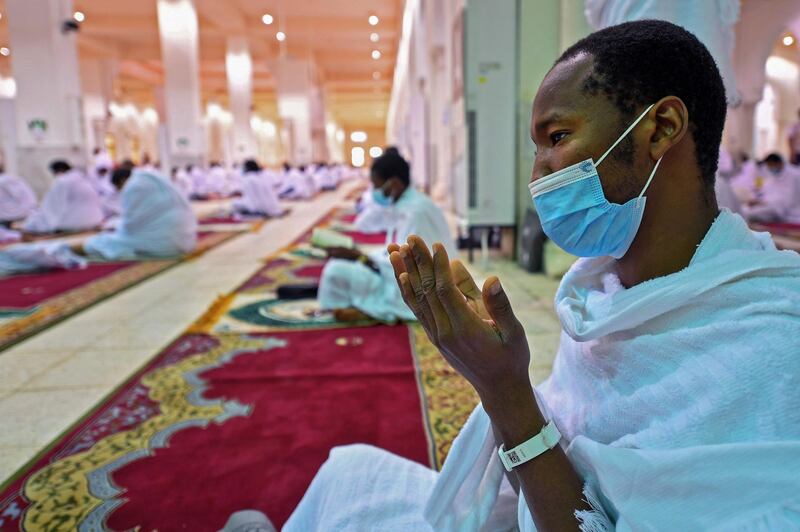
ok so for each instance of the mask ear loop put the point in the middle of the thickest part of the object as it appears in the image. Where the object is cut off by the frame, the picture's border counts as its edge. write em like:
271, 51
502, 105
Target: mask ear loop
624, 134
650, 179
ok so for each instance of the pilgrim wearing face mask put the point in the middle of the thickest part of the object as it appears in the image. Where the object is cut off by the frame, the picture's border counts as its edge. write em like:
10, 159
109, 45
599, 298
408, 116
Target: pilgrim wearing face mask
769, 191
358, 285
673, 400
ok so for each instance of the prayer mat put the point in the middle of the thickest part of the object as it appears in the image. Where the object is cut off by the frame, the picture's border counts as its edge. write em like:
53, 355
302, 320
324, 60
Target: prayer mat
31, 303
217, 424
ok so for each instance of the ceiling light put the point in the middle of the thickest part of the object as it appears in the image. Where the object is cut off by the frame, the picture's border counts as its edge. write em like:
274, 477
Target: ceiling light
280, 36
376, 54
373, 20
358, 136
1, 15
788, 40
267, 19
376, 75
5, 51
374, 37
375, 151
80, 17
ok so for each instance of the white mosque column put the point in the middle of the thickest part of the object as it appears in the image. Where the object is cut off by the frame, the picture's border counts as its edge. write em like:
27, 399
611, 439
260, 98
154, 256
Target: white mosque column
239, 69
49, 113
97, 82
301, 109
177, 21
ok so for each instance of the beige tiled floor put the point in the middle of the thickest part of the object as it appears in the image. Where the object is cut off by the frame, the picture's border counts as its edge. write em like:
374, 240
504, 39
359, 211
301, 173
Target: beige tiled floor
51, 380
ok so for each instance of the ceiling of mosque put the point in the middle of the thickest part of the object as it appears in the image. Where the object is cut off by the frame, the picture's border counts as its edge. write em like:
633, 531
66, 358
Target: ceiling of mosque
336, 34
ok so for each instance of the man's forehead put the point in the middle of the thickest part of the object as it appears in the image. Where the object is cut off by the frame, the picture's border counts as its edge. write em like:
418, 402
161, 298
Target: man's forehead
562, 87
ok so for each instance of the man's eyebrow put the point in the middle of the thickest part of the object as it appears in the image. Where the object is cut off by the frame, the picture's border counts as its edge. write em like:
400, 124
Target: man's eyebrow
542, 124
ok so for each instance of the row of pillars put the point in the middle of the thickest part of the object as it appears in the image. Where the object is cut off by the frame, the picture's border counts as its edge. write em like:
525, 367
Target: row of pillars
50, 109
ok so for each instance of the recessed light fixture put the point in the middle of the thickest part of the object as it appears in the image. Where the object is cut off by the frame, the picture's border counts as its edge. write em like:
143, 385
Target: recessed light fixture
358, 136
375, 151
376, 75
5, 51
280, 36
374, 37
267, 19
376, 54
788, 40
80, 17
373, 20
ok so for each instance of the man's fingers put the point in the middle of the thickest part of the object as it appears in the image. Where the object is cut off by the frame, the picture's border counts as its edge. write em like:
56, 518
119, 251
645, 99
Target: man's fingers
391, 248
449, 295
464, 281
397, 264
424, 312
499, 308
408, 296
427, 281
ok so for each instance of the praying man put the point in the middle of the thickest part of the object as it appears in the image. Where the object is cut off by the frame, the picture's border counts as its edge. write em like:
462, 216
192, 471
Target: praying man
358, 286
673, 401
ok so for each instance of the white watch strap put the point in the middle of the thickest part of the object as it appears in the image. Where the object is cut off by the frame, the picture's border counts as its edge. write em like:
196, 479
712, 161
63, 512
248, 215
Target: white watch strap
542, 442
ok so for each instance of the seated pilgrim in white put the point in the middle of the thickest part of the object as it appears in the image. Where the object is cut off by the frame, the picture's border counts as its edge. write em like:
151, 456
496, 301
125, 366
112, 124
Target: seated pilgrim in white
258, 194
357, 285
71, 204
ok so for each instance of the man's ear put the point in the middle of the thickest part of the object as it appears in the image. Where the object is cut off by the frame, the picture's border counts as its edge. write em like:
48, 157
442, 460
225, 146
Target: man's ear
672, 122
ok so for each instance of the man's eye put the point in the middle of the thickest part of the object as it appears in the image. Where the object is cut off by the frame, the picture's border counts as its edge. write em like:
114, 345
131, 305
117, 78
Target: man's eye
557, 136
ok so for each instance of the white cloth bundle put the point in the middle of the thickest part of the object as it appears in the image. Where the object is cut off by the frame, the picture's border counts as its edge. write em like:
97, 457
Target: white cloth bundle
71, 204
157, 221
17, 199
23, 258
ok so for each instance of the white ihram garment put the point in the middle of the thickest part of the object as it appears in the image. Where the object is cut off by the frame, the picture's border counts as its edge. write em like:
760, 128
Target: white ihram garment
71, 204
157, 221
258, 196
17, 199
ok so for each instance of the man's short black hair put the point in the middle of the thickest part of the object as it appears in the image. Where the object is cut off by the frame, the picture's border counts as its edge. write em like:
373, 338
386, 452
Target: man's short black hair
390, 165
250, 165
120, 175
60, 166
638, 63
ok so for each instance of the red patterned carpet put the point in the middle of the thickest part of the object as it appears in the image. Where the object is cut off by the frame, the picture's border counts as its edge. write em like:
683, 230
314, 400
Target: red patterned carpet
31, 303
22, 292
221, 422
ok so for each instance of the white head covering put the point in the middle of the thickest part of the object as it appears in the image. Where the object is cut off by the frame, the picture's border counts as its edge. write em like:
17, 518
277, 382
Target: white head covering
157, 220
17, 199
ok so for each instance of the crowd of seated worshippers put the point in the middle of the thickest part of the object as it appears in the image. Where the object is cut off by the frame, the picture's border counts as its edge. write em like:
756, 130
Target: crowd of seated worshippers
155, 220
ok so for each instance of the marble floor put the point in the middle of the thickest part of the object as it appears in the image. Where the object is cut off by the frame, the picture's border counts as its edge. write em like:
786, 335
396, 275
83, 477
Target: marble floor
51, 380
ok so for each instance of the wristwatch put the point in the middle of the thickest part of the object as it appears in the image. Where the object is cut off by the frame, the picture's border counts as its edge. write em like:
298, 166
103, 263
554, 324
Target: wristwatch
525, 452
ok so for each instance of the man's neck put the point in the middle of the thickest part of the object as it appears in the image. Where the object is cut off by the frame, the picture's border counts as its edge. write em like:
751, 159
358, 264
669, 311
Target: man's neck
666, 244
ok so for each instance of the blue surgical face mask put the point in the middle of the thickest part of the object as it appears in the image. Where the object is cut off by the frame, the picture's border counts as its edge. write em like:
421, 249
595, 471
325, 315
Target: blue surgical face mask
576, 215
380, 198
